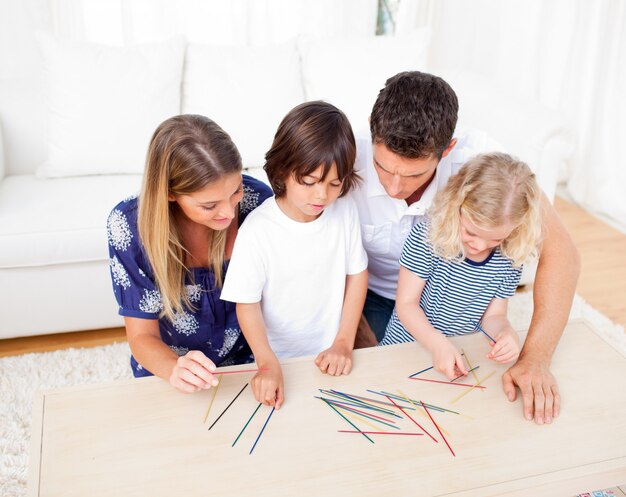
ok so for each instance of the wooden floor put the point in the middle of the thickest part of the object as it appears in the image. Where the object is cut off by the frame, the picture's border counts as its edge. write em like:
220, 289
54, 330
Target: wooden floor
602, 283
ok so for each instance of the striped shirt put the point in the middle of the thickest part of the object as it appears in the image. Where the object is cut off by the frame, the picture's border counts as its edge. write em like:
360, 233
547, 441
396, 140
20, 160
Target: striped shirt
456, 292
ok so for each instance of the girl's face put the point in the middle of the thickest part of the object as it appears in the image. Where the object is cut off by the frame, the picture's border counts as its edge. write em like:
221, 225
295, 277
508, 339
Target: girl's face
214, 205
305, 202
477, 242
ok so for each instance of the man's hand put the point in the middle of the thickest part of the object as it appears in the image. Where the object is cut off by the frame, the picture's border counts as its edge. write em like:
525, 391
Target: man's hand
540, 393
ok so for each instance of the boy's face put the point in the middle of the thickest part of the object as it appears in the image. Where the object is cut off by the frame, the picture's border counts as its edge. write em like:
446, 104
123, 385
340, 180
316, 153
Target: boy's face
213, 206
402, 177
305, 202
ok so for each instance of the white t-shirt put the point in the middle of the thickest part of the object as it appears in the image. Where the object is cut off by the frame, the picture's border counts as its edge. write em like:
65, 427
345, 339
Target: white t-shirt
386, 221
298, 273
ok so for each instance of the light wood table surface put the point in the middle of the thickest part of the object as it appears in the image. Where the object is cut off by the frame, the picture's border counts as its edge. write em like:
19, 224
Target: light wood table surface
142, 438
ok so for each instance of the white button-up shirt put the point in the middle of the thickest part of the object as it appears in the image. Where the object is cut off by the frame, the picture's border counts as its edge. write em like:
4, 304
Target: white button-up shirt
386, 221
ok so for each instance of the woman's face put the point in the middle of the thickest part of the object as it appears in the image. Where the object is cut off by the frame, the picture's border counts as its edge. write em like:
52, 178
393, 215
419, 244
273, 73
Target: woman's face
214, 205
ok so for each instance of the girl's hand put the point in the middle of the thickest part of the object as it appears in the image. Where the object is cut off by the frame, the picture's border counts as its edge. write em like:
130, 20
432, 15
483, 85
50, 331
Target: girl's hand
336, 360
447, 359
507, 347
268, 386
193, 372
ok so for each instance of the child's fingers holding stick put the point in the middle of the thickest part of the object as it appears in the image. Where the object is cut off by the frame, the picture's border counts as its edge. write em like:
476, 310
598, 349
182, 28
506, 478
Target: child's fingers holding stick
459, 366
268, 387
506, 347
447, 359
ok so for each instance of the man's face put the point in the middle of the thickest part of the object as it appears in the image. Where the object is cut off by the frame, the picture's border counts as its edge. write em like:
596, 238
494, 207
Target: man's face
401, 177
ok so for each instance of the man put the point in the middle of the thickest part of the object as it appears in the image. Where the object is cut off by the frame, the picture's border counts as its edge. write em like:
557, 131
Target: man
410, 157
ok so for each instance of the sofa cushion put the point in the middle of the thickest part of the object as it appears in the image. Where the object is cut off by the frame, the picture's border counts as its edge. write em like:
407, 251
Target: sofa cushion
246, 90
104, 103
46, 221
350, 73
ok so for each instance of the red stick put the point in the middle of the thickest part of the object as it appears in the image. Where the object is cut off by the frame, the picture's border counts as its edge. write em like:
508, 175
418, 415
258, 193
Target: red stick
409, 416
448, 383
380, 432
437, 426
237, 371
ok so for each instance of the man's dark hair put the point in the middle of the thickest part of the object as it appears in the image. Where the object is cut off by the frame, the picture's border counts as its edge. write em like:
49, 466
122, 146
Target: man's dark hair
311, 135
415, 115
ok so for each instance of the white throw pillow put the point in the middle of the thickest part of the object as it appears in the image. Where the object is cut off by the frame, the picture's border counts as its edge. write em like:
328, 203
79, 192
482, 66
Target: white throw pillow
104, 103
350, 73
246, 90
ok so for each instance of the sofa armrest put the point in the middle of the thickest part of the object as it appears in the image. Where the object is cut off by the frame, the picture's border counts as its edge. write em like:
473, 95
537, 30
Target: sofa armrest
525, 128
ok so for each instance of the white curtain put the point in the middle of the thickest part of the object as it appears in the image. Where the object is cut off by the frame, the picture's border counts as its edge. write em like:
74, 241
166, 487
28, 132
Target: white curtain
568, 54
227, 22
120, 22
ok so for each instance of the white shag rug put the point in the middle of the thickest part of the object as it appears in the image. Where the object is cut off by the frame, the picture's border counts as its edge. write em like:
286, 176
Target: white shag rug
21, 376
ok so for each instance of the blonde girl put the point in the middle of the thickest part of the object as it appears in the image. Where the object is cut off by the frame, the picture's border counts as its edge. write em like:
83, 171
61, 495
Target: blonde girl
458, 268
169, 250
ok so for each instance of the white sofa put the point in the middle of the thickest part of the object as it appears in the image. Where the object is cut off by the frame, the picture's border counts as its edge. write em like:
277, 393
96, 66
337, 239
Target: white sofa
75, 140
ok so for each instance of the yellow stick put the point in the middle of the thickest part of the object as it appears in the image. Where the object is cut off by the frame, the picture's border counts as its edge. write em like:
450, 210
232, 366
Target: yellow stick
419, 411
469, 365
208, 409
473, 386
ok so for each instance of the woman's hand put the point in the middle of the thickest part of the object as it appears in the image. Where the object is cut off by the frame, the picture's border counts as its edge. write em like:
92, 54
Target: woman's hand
336, 360
268, 386
193, 372
447, 359
506, 347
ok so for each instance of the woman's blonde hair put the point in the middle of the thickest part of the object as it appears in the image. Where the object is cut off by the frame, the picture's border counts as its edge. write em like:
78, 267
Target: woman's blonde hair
491, 190
186, 154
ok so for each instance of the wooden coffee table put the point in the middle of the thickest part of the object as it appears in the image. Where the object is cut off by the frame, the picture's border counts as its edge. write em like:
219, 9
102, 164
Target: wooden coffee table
142, 438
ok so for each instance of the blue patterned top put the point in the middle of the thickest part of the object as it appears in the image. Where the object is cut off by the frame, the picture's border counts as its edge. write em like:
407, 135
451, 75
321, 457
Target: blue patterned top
212, 327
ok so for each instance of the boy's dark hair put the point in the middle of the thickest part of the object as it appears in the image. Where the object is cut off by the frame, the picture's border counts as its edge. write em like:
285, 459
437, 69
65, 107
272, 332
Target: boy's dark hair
415, 115
312, 134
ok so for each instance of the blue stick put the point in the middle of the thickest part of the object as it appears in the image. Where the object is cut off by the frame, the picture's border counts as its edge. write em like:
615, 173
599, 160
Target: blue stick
478, 327
420, 372
262, 429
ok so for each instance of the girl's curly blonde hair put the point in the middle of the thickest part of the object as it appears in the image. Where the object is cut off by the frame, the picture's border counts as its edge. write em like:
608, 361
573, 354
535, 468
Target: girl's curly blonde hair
491, 190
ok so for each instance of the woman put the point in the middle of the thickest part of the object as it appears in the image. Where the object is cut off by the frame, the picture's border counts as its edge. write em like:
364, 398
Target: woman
169, 250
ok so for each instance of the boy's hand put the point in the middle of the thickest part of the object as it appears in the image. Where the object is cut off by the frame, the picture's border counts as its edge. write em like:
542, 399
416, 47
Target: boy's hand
507, 347
447, 359
336, 360
193, 372
268, 386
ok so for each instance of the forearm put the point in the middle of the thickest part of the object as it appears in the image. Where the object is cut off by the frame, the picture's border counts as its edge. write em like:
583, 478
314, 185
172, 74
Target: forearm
354, 299
252, 325
495, 324
554, 288
552, 299
416, 323
153, 355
